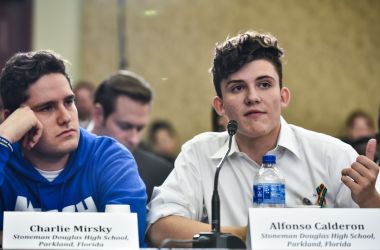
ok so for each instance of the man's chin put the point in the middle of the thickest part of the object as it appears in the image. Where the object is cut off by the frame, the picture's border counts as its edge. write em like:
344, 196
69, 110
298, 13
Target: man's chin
51, 153
66, 147
253, 132
61, 152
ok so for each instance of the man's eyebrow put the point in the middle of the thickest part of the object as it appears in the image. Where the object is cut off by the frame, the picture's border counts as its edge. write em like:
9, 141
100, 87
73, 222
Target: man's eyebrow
257, 79
41, 105
44, 104
264, 77
234, 81
70, 97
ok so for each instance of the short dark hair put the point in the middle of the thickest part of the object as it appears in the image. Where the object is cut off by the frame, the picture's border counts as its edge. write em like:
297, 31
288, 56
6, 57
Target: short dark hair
83, 84
123, 83
359, 114
23, 70
234, 53
158, 125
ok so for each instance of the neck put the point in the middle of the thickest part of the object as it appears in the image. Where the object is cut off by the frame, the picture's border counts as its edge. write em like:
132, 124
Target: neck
47, 163
98, 129
256, 147
85, 116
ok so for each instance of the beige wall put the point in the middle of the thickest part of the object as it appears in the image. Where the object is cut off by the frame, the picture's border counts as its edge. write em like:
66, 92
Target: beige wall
56, 26
331, 61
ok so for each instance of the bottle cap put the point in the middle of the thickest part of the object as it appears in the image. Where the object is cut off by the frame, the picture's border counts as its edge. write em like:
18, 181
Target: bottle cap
269, 159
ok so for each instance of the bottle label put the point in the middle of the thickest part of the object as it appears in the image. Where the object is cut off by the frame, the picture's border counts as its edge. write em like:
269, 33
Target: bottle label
269, 193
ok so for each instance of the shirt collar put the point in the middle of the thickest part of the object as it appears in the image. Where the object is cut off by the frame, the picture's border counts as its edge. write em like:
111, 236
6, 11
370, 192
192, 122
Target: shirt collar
222, 151
287, 139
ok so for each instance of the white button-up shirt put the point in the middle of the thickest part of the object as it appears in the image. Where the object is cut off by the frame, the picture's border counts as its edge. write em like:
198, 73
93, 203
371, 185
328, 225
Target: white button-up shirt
305, 158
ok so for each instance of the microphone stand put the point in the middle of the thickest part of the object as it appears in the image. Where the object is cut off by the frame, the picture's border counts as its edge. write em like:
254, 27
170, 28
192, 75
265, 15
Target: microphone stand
216, 239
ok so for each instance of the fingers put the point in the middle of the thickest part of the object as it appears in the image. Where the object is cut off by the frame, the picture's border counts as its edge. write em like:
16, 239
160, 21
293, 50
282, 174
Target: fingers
350, 183
360, 175
371, 149
36, 135
365, 167
361, 187
364, 175
353, 175
23, 125
18, 124
33, 136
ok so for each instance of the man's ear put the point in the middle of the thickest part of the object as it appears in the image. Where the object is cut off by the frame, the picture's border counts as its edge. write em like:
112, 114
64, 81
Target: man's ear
285, 97
217, 103
98, 114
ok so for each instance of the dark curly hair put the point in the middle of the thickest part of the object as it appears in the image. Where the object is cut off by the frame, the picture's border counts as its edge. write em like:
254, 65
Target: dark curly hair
235, 52
24, 69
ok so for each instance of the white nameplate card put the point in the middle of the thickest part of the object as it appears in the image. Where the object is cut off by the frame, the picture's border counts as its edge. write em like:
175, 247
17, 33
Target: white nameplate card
314, 228
55, 230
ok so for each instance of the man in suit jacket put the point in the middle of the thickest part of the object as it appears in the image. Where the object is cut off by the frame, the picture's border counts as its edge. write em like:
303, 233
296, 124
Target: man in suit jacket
122, 107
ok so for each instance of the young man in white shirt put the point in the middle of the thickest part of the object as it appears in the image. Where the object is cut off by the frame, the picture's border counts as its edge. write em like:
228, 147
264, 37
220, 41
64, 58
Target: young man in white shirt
247, 75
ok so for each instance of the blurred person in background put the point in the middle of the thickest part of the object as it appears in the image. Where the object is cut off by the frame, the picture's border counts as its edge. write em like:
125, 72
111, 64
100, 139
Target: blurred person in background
84, 93
359, 129
359, 124
163, 139
122, 105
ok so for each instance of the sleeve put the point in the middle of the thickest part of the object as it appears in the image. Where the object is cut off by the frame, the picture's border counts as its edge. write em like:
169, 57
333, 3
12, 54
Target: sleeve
181, 194
120, 183
5, 154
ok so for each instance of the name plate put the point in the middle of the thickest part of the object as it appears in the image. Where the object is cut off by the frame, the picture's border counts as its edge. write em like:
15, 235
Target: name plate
55, 230
314, 228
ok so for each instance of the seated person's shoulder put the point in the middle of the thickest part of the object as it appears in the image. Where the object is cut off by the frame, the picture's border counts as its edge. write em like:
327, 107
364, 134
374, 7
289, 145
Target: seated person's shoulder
94, 140
209, 139
101, 147
144, 156
319, 140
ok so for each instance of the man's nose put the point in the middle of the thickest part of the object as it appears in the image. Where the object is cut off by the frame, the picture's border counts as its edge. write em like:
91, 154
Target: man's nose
252, 96
63, 115
134, 136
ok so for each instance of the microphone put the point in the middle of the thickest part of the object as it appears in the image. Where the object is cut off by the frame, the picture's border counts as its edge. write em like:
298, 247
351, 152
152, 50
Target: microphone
215, 202
216, 239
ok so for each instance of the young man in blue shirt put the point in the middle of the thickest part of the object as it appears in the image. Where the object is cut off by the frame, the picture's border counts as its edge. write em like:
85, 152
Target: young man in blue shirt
47, 163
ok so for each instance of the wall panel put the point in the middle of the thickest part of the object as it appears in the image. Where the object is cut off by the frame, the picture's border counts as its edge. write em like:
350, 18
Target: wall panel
331, 53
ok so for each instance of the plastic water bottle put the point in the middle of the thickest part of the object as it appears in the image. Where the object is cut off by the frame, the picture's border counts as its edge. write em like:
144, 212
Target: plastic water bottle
269, 185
